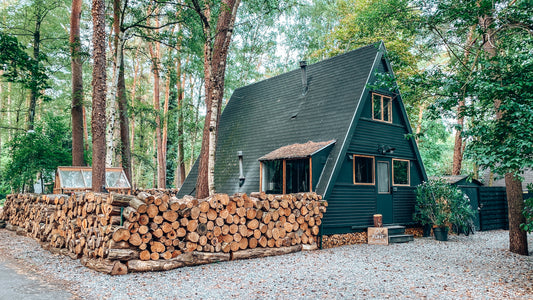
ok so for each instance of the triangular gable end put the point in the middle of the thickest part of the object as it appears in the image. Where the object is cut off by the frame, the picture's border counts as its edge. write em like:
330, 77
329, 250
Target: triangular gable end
380, 58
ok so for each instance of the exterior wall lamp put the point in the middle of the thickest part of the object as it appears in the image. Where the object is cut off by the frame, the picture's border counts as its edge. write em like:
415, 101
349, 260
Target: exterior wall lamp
241, 172
385, 149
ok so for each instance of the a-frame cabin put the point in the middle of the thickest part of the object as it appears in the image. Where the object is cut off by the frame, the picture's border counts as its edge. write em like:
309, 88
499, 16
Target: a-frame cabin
323, 128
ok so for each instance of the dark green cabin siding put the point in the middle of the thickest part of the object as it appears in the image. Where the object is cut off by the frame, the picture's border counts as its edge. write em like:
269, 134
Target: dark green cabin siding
348, 207
351, 207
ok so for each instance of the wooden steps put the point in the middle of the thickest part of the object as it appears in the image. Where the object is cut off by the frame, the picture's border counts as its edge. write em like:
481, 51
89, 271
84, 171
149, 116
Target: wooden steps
397, 234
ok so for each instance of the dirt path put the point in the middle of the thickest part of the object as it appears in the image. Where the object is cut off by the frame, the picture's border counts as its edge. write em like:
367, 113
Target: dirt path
17, 283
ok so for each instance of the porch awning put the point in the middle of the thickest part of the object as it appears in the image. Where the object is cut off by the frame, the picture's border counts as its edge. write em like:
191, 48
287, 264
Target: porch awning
297, 150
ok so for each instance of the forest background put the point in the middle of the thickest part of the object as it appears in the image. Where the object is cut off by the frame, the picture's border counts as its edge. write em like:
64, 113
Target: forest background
141, 84
464, 68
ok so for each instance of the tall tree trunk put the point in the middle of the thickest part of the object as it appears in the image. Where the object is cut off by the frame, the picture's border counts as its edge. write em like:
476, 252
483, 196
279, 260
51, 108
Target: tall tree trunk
77, 85
85, 129
36, 56
180, 170
160, 162
459, 145
9, 110
515, 203
98, 121
125, 148
164, 137
215, 56
196, 120
513, 185
133, 94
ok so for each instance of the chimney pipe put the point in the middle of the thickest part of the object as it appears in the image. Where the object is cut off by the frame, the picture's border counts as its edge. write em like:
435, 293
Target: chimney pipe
303, 68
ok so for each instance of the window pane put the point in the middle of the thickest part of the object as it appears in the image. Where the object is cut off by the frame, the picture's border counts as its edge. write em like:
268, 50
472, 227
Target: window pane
297, 176
72, 179
88, 175
273, 177
386, 109
376, 103
363, 169
383, 177
401, 171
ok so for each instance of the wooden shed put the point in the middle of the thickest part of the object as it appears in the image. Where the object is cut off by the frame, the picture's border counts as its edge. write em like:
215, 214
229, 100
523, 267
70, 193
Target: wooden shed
79, 179
324, 128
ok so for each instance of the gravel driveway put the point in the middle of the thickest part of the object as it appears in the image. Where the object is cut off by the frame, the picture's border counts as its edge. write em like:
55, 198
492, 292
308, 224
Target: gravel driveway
475, 267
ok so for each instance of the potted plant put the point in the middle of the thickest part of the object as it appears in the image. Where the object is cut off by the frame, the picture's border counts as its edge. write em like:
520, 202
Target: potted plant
440, 204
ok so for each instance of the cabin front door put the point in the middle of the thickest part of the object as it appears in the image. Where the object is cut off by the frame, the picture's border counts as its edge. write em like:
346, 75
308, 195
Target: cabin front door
383, 184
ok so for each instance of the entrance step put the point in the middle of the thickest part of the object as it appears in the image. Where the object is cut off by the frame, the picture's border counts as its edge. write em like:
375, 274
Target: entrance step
403, 238
397, 234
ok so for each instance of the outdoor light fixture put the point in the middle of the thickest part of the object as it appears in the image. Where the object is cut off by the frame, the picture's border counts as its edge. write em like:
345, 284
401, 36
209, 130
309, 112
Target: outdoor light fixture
241, 173
385, 149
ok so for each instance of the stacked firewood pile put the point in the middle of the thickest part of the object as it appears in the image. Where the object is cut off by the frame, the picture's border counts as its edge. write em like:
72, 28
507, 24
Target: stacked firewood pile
337, 240
168, 192
116, 233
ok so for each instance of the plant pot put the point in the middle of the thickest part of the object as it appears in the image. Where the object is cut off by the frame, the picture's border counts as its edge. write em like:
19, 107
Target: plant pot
426, 230
441, 233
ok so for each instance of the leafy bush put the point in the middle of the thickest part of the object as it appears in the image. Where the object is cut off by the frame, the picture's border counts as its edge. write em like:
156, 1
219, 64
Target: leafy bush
38, 151
528, 211
441, 204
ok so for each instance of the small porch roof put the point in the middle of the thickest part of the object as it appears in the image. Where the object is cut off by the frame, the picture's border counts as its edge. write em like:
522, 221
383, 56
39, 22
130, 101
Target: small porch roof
295, 151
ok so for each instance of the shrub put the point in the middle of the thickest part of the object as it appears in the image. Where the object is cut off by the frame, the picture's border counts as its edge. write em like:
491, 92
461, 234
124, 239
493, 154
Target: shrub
441, 204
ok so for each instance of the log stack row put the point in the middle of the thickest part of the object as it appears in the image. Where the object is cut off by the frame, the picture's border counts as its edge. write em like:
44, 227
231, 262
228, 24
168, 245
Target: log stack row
116, 233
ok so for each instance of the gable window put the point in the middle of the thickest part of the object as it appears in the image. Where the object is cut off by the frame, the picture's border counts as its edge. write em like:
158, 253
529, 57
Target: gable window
381, 108
400, 172
286, 176
363, 169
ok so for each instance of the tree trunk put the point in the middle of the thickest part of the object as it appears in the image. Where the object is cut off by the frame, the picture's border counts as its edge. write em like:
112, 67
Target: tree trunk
515, 204
513, 185
215, 56
133, 93
125, 148
161, 164
98, 121
77, 85
164, 136
180, 171
36, 54
458, 148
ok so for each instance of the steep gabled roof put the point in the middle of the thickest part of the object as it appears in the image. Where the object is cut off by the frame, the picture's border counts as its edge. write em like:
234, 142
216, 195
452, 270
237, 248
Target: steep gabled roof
274, 113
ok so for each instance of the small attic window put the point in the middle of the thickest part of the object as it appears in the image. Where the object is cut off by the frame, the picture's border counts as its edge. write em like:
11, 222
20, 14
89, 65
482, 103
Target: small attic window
381, 108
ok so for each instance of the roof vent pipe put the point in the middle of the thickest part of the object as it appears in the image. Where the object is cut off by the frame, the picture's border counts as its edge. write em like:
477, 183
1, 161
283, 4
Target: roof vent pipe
303, 68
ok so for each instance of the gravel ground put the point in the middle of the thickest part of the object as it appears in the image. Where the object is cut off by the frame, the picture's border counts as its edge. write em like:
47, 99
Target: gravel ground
474, 267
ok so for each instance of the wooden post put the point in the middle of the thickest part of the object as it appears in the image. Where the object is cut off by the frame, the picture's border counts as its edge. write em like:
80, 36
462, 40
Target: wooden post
310, 174
284, 176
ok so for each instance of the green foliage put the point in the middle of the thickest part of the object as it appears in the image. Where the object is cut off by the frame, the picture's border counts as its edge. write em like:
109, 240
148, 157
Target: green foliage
19, 66
436, 147
38, 152
528, 211
441, 204
504, 144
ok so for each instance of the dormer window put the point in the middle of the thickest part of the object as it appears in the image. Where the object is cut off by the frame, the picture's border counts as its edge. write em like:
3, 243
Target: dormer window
381, 108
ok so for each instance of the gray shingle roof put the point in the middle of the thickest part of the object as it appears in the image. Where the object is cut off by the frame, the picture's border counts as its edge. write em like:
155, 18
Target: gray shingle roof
273, 113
